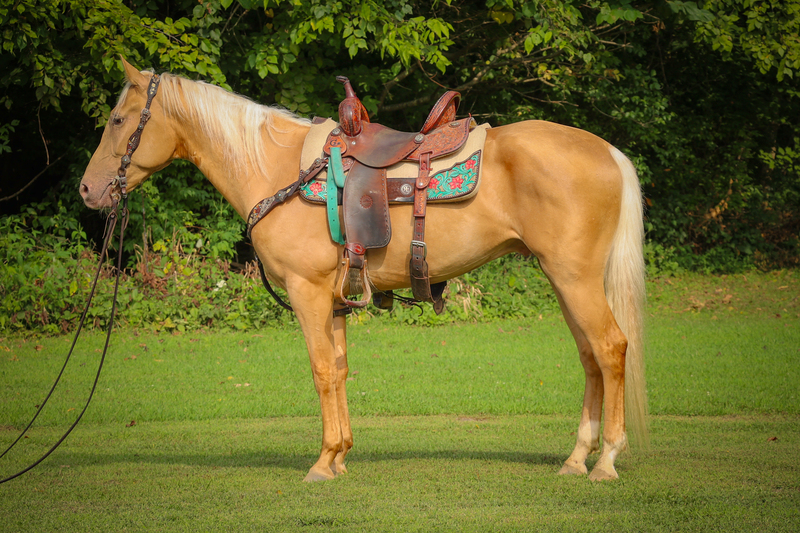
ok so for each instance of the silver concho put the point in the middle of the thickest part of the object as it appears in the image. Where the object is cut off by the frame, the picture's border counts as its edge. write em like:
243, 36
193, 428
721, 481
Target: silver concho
406, 189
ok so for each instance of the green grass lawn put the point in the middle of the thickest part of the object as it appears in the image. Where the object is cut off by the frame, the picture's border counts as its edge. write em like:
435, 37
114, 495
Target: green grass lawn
420, 473
457, 428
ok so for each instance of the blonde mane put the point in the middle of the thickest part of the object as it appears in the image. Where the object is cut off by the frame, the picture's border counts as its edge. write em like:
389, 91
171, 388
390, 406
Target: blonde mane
233, 122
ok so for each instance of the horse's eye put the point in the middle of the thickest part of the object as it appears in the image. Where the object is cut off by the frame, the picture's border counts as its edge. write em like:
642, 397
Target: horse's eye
116, 120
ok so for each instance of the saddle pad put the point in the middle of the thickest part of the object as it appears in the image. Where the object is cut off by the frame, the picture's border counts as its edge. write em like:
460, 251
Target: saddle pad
453, 178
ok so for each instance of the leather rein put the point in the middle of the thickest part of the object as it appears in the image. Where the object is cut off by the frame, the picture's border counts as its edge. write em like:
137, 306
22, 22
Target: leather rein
119, 193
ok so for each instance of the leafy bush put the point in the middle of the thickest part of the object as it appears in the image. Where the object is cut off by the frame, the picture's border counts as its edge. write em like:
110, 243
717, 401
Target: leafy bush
47, 266
45, 277
42, 267
183, 208
509, 287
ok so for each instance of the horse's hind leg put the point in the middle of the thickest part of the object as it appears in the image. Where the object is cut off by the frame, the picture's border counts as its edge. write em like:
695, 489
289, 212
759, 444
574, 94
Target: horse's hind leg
588, 440
340, 340
602, 347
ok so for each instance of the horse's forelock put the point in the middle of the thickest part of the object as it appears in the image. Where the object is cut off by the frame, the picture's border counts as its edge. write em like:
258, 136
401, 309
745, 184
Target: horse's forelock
123, 94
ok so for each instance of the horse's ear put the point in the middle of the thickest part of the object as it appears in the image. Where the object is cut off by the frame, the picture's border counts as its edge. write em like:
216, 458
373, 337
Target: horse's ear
133, 75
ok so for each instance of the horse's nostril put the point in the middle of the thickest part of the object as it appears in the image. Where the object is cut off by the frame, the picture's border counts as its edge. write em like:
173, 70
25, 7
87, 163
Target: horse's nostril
84, 189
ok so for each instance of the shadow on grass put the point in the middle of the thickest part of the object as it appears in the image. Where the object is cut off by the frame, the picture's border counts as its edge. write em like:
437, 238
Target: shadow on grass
302, 463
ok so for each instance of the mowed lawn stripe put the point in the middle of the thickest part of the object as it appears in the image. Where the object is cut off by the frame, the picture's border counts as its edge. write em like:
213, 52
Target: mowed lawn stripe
419, 473
696, 365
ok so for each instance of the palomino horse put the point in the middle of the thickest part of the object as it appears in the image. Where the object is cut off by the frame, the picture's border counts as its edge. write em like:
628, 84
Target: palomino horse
560, 193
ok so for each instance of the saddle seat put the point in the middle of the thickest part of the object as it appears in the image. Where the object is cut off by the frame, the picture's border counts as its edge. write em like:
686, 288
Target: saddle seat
367, 149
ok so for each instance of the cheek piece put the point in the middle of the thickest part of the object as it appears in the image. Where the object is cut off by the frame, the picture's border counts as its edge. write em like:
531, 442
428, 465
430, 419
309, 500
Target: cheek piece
120, 183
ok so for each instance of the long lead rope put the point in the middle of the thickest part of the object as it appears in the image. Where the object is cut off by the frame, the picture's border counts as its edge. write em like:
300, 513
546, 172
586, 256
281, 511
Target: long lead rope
119, 193
111, 223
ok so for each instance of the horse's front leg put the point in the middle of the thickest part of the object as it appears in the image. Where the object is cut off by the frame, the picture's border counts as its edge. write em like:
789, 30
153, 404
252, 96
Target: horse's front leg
313, 305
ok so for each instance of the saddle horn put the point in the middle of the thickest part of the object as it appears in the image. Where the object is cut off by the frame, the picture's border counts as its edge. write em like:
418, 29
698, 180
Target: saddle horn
352, 113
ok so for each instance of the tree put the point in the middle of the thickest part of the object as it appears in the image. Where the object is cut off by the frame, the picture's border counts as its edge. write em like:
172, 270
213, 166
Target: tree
700, 95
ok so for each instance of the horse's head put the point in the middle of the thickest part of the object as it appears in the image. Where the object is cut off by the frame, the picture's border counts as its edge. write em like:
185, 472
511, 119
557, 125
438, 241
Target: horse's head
156, 148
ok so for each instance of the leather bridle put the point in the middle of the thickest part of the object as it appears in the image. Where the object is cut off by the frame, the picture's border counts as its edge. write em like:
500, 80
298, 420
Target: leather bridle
119, 185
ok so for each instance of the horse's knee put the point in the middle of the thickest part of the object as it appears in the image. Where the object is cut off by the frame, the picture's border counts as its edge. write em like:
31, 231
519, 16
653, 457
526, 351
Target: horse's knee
325, 378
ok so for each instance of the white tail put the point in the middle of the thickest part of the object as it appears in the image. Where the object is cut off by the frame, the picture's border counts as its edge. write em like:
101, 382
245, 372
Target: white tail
625, 291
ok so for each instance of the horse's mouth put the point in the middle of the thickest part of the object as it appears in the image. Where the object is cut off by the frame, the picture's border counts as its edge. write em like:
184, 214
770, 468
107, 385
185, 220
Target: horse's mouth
101, 200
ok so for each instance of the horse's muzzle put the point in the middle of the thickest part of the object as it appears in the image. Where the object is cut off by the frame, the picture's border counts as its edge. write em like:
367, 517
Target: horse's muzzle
95, 196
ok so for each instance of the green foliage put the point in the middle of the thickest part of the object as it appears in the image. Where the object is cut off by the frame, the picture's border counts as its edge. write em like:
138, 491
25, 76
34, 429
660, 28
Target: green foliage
661, 261
184, 283
765, 31
62, 45
5, 132
182, 209
509, 287
709, 186
179, 292
42, 267
700, 95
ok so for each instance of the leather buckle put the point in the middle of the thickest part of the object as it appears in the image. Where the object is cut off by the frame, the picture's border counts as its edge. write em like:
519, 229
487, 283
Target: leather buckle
422, 245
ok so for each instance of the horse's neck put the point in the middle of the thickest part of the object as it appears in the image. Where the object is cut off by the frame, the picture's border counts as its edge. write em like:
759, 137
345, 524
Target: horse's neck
243, 183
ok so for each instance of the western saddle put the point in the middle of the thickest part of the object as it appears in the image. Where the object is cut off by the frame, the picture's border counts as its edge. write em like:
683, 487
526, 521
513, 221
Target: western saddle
366, 150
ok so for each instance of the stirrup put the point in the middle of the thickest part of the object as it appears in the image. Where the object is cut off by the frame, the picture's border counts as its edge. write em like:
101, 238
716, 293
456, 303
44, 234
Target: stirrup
351, 278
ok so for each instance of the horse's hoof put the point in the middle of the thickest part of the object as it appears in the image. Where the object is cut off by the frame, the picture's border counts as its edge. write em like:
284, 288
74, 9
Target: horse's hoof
339, 469
600, 474
573, 469
318, 474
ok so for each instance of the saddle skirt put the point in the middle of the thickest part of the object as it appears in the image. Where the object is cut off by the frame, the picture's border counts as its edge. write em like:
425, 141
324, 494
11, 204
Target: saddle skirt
454, 178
